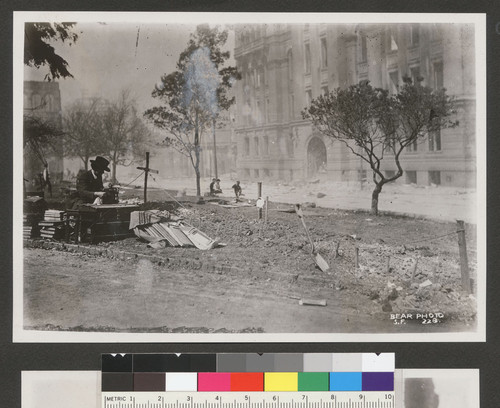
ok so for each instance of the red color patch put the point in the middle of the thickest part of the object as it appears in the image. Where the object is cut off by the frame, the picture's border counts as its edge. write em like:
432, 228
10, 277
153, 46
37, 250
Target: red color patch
247, 381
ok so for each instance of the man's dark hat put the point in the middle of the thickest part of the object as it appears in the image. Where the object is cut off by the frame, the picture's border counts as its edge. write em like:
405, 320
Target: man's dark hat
100, 163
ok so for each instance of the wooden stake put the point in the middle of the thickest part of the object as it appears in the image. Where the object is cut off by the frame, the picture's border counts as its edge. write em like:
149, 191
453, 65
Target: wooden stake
259, 195
464, 263
356, 257
388, 263
267, 210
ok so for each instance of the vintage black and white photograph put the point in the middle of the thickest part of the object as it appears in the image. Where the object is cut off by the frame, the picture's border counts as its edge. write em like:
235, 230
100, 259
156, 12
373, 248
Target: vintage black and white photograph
249, 177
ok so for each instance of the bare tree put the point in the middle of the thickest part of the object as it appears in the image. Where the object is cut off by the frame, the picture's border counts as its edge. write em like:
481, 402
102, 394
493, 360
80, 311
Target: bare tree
124, 136
83, 130
375, 125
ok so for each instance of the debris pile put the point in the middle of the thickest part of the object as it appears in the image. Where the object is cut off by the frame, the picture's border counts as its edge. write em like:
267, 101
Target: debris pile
161, 229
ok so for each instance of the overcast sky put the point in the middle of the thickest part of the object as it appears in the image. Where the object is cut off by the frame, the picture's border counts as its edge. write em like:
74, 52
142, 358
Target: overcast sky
108, 58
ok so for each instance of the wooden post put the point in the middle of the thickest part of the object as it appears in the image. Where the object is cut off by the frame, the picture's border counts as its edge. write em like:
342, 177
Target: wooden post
388, 263
356, 257
464, 264
259, 195
146, 172
267, 211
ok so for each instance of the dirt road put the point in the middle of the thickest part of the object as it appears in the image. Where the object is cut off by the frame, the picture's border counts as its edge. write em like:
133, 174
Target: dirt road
91, 293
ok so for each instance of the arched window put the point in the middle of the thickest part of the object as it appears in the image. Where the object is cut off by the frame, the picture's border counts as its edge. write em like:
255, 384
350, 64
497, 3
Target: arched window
290, 65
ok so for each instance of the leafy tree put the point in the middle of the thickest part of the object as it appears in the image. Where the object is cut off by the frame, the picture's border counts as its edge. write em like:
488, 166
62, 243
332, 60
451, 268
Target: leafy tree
377, 126
125, 137
195, 94
83, 130
38, 51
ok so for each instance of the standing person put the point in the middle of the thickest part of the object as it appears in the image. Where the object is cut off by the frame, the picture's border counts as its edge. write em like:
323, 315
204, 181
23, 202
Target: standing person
46, 179
237, 190
89, 183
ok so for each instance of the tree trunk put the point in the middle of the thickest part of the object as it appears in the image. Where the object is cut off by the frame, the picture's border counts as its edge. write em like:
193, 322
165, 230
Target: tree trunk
375, 194
197, 156
113, 173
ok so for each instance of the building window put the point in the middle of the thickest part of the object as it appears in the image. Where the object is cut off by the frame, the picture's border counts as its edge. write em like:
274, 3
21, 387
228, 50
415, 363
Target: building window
267, 110
438, 75
292, 106
290, 65
324, 90
246, 146
289, 145
415, 74
256, 173
259, 113
435, 177
308, 97
412, 147
393, 39
308, 58
411, 177
435, 141
363, 50
266, 173
324, 53
247, 173
436, 32
389, 173
256, 146
414, 35
393, 82
266, 145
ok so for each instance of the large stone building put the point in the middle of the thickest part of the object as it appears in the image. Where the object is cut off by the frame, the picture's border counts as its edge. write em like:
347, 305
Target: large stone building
42, 100
285, 66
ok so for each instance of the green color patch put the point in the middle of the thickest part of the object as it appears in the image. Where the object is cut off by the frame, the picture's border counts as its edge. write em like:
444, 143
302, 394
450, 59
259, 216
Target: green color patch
313, 382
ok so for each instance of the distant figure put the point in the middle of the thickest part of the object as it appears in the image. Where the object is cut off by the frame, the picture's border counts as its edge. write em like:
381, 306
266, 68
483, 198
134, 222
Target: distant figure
46, 179
215, 187
212, 188
237, 190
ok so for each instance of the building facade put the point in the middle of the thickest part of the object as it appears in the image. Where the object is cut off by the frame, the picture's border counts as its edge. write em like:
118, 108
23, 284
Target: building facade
42, 100
285, 66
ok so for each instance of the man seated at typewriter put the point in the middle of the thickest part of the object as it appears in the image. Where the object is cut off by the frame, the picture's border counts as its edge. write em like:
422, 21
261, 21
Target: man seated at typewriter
89, 186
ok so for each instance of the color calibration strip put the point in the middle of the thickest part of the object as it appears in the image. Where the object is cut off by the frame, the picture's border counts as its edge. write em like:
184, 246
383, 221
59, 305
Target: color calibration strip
248, 372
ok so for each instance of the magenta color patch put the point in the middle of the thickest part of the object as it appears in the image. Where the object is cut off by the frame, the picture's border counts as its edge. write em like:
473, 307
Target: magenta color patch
214, 381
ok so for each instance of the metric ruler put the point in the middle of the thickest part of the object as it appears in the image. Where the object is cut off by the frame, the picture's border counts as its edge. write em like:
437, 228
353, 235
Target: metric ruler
295, 399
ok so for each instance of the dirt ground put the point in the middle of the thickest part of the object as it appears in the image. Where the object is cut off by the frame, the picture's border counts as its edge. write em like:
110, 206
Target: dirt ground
255, 282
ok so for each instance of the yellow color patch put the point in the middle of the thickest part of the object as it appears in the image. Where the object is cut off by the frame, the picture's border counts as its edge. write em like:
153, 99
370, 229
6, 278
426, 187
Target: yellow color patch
281, 381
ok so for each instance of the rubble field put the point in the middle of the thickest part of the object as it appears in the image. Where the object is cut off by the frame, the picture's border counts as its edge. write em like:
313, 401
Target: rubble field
405, 266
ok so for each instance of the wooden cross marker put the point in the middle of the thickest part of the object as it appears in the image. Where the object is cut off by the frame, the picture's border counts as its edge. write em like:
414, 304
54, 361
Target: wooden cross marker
147, 170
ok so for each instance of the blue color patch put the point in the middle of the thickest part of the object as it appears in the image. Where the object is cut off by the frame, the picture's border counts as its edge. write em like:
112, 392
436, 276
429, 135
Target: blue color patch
345, 381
